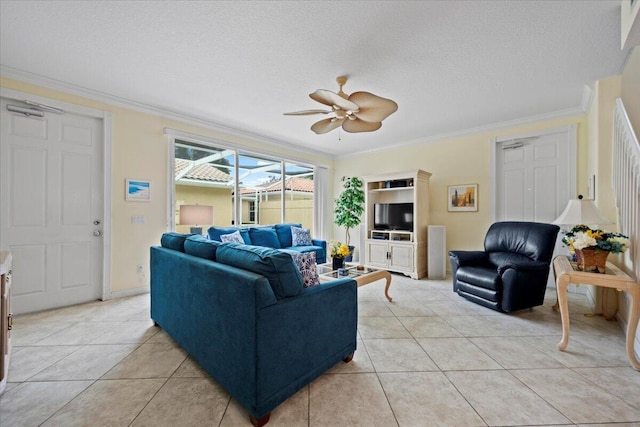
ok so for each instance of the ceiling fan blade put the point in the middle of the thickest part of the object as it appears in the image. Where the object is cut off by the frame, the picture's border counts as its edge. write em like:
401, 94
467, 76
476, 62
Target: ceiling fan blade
307, 112
326, 125
355, 126
373, 108
329, 98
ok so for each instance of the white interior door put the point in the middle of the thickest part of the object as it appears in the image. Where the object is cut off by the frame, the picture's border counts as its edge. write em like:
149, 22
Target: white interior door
535, 178
51, 207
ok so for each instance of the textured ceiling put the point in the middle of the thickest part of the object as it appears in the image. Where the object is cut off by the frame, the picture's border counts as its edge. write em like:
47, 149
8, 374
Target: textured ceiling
450, 66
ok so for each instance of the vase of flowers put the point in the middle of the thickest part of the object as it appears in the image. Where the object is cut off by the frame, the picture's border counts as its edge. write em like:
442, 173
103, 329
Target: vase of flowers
593, 246
339, 252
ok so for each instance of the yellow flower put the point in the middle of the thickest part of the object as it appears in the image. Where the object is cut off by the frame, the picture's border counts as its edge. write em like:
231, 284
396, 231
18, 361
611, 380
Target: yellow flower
339, 250
596, 234
343, 251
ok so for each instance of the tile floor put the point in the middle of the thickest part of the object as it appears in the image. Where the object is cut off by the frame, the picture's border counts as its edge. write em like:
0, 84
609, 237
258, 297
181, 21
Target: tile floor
428, 358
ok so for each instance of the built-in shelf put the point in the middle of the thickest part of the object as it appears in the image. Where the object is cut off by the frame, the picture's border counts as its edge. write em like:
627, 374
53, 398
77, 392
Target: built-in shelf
396, 189
402, 251
394, 235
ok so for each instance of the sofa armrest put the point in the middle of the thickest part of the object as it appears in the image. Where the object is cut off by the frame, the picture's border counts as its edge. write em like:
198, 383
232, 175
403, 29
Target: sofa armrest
303, 336
323, 245
461, 258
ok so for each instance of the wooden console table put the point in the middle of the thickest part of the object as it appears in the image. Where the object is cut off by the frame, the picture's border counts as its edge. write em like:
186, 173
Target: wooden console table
613, 278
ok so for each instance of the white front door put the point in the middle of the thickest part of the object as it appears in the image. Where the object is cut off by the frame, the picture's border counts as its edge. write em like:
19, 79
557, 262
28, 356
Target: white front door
535, 178
51, 206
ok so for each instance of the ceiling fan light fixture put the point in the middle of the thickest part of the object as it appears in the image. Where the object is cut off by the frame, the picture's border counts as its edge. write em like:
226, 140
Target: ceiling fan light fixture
364, 111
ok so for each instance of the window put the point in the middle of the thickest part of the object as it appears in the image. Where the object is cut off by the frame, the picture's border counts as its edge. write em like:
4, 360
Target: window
243, 188
252, 212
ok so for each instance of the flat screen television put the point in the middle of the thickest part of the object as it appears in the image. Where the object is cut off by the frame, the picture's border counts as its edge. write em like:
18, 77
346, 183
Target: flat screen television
393, 216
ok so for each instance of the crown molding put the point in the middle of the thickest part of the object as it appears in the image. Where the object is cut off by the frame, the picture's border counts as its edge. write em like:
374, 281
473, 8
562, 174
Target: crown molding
554, 115
587, 98
72, 89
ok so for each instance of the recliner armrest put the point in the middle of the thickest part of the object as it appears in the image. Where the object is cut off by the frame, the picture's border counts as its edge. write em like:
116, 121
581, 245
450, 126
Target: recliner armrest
468, 257
523, 266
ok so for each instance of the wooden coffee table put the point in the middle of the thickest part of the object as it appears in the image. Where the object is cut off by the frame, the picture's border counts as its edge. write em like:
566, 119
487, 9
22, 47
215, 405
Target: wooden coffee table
362, 275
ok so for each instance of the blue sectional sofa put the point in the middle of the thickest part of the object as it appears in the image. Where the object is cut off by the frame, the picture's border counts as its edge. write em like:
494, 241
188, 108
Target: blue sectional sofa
242, 313
276, 236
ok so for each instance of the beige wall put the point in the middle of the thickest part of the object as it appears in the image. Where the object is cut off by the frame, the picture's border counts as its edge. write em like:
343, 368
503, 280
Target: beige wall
630, 90
463, 160
297, 211
140, 150
219, 198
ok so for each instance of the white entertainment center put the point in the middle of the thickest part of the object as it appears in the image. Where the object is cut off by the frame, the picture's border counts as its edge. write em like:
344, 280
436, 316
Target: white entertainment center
396, 237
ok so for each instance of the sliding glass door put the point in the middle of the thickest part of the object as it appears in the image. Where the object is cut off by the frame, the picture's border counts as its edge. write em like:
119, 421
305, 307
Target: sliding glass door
243, 188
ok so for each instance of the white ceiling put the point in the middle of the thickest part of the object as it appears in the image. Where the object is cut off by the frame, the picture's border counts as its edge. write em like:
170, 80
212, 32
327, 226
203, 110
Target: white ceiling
451, 66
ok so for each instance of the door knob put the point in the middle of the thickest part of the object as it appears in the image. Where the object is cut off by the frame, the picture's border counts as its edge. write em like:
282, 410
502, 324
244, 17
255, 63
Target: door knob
97, 233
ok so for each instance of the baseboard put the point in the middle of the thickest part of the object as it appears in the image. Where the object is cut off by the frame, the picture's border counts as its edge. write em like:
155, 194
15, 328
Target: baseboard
129, 292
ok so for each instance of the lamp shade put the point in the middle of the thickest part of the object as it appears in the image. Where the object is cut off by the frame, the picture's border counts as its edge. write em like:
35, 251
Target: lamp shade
581, 211
196, 215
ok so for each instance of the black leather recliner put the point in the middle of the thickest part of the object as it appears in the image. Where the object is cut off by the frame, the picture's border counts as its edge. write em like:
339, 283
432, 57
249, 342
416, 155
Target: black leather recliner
511, 273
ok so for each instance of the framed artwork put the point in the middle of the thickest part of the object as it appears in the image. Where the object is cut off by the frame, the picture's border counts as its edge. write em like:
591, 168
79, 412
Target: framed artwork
462, 198
137, 190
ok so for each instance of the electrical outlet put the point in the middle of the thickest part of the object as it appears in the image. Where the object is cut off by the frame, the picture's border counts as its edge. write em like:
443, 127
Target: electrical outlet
140, 269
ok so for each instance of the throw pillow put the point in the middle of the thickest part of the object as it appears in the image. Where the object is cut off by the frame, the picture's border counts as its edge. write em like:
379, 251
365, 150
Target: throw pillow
301, 237
306, 263
232, 237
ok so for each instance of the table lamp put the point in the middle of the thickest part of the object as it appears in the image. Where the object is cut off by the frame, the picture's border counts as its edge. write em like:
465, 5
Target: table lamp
196, 215
581, 211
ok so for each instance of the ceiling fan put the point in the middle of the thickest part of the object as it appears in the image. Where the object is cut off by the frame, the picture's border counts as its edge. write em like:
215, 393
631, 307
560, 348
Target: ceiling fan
358, 112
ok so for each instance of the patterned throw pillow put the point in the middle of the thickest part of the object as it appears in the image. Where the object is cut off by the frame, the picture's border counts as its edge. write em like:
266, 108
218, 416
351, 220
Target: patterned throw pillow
232, 237
306, 263
300, 237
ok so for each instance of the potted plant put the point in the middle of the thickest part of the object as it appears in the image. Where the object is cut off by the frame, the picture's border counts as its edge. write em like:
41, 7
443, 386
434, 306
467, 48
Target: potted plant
349, 206
592, 246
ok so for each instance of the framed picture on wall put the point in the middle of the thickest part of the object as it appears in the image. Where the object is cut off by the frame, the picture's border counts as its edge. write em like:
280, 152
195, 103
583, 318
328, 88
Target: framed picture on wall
462, 198
137, 190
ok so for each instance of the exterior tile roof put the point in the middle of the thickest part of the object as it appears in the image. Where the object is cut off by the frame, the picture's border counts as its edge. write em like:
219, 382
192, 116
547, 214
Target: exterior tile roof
205, 172
295, 184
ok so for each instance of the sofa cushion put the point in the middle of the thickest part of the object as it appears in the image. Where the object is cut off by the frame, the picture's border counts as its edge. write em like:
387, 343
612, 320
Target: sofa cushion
215, 232
201, 247
234, 237
266, 237
174, 241
284, 233
300, 236
275, 265
306, 263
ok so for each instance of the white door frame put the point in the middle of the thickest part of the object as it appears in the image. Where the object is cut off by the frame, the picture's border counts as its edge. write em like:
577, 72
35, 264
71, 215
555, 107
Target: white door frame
572, 132
107, 123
